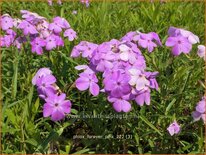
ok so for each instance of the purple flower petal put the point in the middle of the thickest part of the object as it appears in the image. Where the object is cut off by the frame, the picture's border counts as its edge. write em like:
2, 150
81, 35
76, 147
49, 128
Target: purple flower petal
140, 99
126, 106
66, 106
57, 115
94, 89
47, 110
171, 41
82, 83
176, 50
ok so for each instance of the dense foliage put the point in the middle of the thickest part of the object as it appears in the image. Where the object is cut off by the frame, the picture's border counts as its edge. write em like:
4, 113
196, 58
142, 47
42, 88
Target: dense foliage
171, 122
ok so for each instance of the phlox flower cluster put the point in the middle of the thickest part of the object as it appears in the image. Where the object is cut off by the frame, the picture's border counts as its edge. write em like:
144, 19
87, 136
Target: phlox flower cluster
123, 70
35, 30
181, 40
56, 104
147, 41
199, 112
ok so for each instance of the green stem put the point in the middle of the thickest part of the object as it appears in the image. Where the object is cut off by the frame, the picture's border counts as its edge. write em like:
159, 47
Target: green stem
22, 138
15, 76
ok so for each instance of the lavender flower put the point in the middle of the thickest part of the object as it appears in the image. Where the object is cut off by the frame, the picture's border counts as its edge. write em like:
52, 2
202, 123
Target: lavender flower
151, 76
200, 111
180, 40
146, 41
56, 106
7, 40
85, 48
27, 28
41, 73
44, 84
117, 84
88, 80
37, 45
71, 34
201, 51
58, 24
51, 42
138, 79
174, 128
179, 44
6, 22
192, 38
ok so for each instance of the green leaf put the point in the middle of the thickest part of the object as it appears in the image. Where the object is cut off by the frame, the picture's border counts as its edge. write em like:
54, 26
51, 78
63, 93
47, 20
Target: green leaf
32, 142
74, 111
150, 124
14, 79
169, 106
11, 116
30, 95
82, 151
36, 106
52, 136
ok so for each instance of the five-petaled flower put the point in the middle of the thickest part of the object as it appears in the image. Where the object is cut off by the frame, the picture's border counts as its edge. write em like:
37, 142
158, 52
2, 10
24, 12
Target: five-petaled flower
56, 106
88, 80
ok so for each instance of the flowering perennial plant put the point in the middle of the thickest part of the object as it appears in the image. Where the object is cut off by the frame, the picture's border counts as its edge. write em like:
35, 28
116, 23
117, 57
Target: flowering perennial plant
55, 104
120, 62
35, 30
123, 70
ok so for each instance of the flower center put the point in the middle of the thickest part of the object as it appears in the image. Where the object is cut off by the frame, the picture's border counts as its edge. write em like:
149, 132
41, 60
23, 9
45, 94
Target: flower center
179, 42
56, 104
118, 83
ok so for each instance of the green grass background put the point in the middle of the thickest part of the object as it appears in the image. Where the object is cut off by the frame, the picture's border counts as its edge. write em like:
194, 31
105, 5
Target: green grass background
24, 130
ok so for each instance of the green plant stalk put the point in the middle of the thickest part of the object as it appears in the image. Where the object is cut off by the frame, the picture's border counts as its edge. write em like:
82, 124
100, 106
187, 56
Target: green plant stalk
15, 76
23, 146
